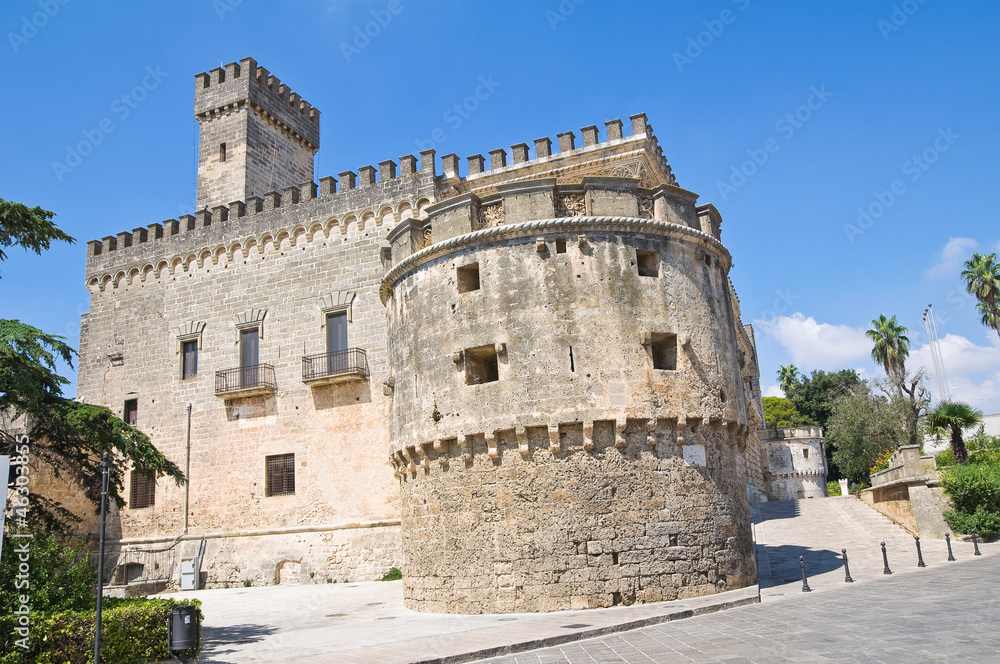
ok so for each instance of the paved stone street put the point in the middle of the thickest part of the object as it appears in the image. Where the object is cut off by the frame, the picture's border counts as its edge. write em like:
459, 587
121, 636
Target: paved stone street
942, 614
946, 611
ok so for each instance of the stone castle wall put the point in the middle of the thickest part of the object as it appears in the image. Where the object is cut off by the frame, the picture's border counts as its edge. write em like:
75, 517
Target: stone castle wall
583, 475
288, 262
589, 474
795, 463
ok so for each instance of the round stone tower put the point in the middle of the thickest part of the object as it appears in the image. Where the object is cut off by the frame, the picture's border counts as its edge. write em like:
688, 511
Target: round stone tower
568, 406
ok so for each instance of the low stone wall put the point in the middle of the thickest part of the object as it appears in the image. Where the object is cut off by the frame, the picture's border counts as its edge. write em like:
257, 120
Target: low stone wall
907, 493
355, 552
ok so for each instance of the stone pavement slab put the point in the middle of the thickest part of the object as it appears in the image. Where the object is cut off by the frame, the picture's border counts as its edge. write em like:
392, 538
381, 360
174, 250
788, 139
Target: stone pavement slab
948, 613
367, 622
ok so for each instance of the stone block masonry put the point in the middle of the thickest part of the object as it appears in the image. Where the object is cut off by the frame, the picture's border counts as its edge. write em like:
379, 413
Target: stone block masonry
548, 348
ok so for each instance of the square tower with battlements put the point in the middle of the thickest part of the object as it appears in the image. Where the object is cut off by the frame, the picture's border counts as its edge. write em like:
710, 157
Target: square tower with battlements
256, 135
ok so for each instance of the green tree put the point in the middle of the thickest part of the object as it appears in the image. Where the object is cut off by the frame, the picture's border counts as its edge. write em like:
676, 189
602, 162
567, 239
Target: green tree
891, 348
953, 416
30, 228
982, 279
69, 436
788, 377
780, 412
814, 395
862, 427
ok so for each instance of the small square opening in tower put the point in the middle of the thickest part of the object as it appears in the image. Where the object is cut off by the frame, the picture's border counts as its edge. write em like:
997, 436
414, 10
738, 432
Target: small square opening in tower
468, 278
481, 365
664, 350
560, 245
648, 263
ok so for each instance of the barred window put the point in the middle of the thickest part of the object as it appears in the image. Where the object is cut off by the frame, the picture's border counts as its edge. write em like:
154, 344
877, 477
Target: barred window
280, 471
189, 359
143, 492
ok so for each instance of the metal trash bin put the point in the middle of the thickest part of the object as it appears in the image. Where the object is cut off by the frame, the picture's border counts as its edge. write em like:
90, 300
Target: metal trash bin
189, 574
185, 628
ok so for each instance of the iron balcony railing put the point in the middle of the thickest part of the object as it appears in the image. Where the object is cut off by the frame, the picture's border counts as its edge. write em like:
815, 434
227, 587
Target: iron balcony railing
340, 364
256, 378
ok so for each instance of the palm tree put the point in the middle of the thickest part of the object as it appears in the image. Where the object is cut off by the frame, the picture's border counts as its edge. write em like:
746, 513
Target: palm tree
891, 349
982, 279
954, 416
788, 376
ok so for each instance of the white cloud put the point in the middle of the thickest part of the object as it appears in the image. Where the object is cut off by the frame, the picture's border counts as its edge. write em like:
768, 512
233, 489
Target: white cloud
773, 391
955, 252
815, 345
973, 371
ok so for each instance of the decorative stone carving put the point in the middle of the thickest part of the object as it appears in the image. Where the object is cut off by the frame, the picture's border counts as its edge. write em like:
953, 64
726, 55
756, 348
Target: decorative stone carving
571, 205
491, 216
645, 207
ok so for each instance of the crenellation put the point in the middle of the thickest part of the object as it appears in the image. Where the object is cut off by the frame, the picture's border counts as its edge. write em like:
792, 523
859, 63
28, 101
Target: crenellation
589, 135
386, 170
308, 191
427, 161
520, 153
407, 165
476, 164
327, 186
124, 240
290, 195
366, 176
348, 180
638, 124
449, 165
567, 142
272, 201
498, 159
543, 147
614, 129
139, 235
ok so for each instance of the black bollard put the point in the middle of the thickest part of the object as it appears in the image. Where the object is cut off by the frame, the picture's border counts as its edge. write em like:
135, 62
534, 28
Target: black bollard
920, 557
975, 542
847, 570
805, 584
885, 559
947, 538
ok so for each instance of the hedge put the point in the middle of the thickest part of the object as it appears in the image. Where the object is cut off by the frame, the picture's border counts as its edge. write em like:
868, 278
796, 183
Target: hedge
133, 631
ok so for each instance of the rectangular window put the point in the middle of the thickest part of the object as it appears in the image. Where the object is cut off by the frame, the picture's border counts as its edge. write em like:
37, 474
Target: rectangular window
560, 245
280, 471
189, 359
336, 332
468, 278
249, 347
664, 351
143, 490
222, 151
805, 452
481, 365
131, 412
648, 263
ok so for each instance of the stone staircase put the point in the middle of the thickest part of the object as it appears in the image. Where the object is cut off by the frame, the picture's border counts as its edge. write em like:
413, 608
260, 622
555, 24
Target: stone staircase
818, 529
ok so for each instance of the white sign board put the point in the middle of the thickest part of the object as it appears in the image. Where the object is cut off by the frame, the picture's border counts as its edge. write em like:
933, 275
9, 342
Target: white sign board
4, 474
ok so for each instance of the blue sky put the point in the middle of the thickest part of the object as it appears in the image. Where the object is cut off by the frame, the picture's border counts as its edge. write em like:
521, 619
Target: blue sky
788, 116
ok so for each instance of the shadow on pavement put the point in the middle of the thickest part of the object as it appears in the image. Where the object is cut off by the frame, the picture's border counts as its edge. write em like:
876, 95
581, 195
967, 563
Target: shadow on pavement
779, 509
783, 562
216, 639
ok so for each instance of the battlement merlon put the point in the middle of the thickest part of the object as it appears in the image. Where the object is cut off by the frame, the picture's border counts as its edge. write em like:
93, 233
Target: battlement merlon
244, 82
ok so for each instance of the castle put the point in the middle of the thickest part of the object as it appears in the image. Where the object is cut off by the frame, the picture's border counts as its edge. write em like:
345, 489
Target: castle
528, 386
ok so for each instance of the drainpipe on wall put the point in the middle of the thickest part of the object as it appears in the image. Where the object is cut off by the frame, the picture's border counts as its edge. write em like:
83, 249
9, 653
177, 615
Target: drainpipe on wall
187, 467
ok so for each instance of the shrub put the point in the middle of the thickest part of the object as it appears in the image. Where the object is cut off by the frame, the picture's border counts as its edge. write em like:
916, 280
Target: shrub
833, 488
944, 459
392, 575
986, 523
972, 486
134, 631
882, 462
